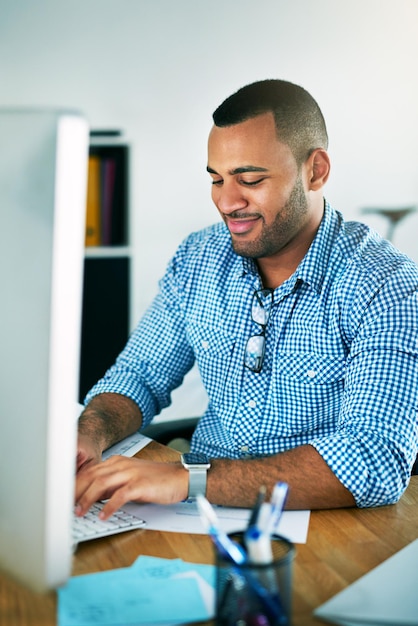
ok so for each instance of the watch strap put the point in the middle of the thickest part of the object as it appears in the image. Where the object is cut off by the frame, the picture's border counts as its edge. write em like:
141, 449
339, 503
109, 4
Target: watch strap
197, 481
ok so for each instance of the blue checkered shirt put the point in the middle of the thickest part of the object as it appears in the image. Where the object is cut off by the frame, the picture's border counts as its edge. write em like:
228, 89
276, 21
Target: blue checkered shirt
340, 370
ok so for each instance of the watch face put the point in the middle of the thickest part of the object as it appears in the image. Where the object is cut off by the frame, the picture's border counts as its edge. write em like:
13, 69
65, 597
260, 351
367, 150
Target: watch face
195, 458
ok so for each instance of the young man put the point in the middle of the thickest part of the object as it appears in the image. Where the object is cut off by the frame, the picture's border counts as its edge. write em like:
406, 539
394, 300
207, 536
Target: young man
304, 328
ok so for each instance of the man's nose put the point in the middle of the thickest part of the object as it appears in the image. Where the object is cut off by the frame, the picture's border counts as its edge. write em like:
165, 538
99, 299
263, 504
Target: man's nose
229, 197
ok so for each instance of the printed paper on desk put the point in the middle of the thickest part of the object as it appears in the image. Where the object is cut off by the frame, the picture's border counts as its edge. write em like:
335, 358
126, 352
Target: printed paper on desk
128, 446
184, 518
386, 595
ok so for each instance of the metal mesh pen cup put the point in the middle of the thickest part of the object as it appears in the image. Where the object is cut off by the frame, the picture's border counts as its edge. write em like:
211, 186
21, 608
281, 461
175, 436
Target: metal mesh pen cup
255, 595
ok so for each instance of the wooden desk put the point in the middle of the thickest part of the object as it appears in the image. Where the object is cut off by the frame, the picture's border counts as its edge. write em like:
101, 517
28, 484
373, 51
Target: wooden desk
342, 545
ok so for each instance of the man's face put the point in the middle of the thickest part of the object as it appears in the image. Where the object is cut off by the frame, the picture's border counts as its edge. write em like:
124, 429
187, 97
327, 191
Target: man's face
257, 187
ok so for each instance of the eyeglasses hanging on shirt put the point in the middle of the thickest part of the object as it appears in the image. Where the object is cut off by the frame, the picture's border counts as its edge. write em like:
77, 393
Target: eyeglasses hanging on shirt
256, 345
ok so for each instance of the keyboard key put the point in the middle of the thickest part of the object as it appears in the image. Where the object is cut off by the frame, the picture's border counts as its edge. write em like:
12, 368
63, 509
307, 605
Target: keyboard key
91, 527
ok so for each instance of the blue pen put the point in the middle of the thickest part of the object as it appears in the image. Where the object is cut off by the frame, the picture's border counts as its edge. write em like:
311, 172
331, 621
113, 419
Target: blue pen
278, 501
258, 544
262, 525
227, 548
236, 554
258, 539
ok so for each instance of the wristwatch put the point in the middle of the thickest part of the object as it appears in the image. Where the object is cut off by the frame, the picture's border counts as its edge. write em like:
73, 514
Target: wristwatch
197, 464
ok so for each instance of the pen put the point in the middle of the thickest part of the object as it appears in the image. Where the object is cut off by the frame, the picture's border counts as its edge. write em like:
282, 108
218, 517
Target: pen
228, 548
258, 544
278, 501
236, 554
263, 524
257, 506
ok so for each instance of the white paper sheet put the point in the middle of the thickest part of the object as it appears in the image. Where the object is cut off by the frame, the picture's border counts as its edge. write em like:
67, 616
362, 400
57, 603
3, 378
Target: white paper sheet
128, 446
184, 517
387, 595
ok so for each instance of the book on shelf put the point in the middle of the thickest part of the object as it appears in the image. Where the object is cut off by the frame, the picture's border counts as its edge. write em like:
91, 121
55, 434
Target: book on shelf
108, 174
93, 209
106, 223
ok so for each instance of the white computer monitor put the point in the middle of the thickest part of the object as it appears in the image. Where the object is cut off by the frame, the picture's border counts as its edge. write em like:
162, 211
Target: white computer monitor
43, 178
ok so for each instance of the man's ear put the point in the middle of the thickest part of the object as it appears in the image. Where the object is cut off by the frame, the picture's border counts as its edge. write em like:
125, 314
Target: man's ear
319, 168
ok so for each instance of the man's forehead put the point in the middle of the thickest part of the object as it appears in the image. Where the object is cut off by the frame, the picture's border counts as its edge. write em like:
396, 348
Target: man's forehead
252, 145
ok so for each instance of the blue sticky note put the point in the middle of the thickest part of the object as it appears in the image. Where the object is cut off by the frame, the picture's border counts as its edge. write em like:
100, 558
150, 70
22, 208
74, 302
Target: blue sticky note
158, 567
126, 597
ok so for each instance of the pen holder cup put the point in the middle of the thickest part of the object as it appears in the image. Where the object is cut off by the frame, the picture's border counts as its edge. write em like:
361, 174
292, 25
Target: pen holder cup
255, 595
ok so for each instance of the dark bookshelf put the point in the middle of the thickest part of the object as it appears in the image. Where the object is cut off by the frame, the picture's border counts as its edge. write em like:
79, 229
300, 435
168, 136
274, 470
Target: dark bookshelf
105, 317
107, 264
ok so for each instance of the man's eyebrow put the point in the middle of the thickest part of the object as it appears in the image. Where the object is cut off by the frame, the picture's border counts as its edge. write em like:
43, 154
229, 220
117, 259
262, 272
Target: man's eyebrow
240, 170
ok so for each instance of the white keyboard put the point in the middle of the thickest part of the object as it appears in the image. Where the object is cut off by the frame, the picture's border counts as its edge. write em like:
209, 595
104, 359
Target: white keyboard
91, 527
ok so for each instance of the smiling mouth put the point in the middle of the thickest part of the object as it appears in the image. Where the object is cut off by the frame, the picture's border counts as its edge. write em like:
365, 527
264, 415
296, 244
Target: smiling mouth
241, 225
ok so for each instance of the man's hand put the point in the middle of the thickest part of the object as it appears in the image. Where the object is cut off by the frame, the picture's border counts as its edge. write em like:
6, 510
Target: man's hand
107, 419
88, 452
123, 479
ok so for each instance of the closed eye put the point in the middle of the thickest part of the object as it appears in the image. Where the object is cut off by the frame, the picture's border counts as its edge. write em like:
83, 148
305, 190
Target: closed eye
252, 183
246, 183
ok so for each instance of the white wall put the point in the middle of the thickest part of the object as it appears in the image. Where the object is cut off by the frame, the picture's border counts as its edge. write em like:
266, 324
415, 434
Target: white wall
158, 68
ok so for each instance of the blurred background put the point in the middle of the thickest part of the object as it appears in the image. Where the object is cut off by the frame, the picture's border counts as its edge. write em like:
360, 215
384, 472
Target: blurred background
156, 69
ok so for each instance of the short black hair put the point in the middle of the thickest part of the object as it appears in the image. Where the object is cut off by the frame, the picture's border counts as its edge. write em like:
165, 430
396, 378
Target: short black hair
298, 118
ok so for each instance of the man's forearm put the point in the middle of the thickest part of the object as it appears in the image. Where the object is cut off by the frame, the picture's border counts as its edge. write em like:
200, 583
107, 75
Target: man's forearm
108, 418
312, 485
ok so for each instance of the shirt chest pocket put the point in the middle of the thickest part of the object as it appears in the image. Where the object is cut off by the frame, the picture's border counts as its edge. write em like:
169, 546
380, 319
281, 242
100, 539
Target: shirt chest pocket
310, 369
214, 352
310, 388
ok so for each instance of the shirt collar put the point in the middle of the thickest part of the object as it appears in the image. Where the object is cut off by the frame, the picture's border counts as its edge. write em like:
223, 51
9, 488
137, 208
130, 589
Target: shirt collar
244, 265
315, 263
